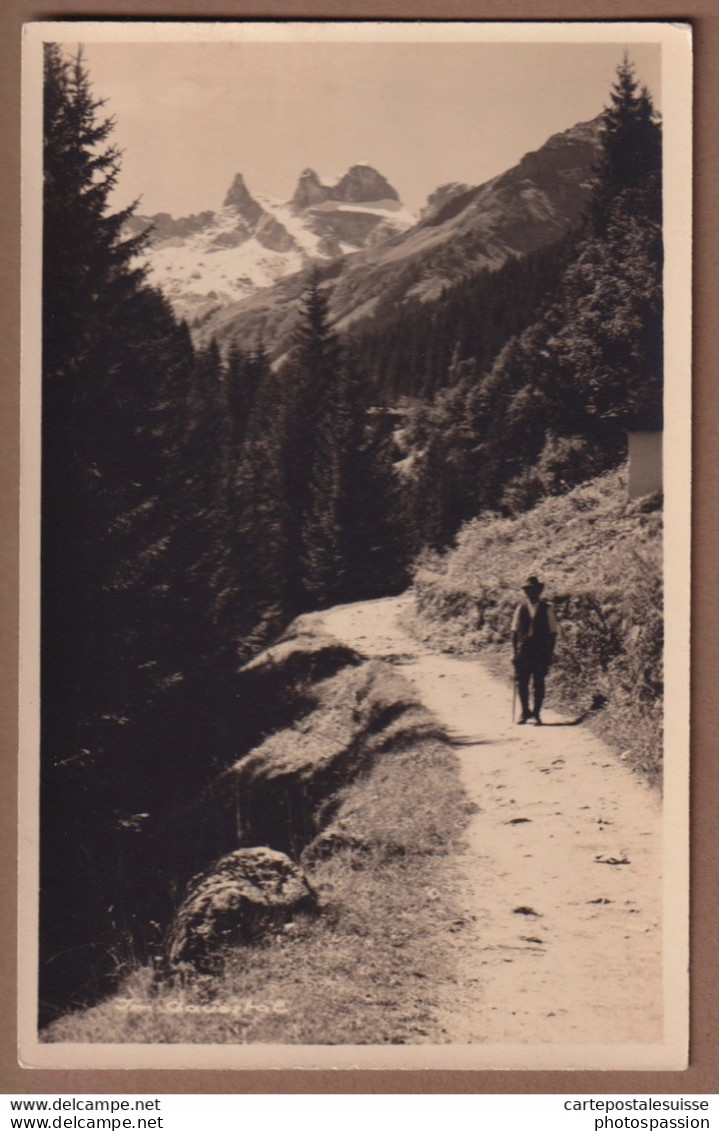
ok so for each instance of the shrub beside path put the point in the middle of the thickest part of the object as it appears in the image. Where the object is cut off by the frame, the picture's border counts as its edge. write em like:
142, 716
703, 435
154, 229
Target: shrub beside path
561, 939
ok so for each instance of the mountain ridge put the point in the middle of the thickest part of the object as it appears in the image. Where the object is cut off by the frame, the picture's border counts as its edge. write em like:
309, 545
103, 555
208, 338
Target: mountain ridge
360, 184
238, 273
255, 240
462, 231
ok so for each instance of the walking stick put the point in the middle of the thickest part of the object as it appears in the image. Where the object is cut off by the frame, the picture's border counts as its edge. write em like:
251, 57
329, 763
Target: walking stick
514, 693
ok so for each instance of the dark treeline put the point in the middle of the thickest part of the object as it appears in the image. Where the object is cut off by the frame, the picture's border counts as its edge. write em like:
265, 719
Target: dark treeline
414, 348
193, 503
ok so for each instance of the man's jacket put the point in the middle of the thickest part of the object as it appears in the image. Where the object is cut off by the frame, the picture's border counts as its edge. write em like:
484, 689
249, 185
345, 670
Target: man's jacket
534, 628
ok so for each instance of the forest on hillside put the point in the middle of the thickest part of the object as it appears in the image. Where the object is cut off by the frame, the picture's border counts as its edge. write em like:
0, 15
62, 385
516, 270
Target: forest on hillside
195, 502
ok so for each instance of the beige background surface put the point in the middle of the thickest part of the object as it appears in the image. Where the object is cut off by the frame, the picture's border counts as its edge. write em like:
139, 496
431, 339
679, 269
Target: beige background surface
702, 1074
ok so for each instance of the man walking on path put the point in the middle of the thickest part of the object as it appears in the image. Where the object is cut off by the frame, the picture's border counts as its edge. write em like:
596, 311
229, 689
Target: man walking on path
534, 634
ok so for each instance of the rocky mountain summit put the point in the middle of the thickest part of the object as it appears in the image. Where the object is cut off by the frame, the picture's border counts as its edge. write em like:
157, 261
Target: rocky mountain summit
239, 198
361, 183
208, 260
358, 210
462, 230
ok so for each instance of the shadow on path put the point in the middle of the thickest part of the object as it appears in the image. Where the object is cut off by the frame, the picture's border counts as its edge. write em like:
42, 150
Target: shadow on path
598, 702
467, 740
570, 722
597, 705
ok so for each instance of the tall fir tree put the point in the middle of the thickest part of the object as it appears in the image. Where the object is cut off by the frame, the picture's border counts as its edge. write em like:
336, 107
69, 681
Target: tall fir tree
631, 156
261, 534
89, 275
309, 387
129, 716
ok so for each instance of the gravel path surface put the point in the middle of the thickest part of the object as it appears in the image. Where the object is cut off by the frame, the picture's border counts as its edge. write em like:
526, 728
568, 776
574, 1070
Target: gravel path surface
561, 873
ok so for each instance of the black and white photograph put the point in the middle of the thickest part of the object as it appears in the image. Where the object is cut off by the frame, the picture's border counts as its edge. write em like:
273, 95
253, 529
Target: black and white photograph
355, 545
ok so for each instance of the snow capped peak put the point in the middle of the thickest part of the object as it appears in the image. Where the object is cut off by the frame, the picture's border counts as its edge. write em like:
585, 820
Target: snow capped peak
206, 262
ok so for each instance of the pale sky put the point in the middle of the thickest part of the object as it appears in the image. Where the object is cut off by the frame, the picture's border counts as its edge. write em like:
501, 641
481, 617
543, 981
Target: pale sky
191, 115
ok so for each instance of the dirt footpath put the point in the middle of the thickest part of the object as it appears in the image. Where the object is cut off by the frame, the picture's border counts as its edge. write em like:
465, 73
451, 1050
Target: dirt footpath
562, 866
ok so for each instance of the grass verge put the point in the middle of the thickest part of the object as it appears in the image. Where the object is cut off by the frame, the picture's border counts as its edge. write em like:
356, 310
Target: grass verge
370, 968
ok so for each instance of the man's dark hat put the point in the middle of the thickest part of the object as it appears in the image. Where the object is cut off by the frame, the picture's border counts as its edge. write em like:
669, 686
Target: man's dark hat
533, 584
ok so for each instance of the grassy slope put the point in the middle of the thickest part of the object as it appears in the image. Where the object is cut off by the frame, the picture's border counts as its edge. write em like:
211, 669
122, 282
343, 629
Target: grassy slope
601, 559
369, 968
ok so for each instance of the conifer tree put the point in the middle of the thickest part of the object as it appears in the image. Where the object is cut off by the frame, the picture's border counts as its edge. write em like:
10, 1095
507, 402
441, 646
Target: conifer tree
631, 148
260, 537
89, 278
309, 398
91, 297
87, 262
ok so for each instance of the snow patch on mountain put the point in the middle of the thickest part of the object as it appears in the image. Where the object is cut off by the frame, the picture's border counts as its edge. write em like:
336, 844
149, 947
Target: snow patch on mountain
219, 264
215, 259
392, 210
462, 230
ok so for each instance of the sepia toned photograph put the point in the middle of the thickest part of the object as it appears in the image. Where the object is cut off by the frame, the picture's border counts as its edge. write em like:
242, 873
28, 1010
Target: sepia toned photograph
356, 397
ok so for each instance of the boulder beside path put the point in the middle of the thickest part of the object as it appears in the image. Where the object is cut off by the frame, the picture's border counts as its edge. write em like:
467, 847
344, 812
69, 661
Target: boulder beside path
237, 900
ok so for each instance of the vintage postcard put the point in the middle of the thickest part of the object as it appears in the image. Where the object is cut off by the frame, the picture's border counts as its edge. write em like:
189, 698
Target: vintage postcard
355, 545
